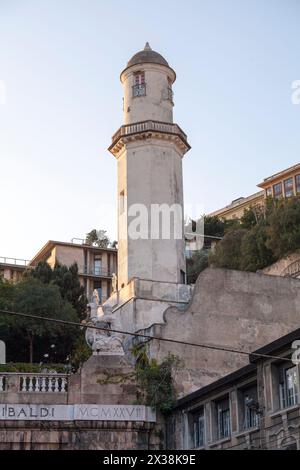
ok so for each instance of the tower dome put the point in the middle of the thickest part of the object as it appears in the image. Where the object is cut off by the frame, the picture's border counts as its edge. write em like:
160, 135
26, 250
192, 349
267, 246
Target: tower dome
147, 56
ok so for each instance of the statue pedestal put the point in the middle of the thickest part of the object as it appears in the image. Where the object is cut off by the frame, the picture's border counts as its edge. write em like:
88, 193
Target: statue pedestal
108, 380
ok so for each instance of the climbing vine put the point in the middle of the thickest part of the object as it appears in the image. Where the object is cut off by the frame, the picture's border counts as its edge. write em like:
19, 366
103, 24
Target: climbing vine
155, 381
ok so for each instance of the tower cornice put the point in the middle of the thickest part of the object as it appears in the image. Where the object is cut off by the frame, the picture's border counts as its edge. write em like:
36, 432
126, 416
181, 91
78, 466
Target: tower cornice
149, 129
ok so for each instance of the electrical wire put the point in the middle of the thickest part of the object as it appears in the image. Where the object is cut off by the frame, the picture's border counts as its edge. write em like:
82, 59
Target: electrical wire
186, 343
141, 335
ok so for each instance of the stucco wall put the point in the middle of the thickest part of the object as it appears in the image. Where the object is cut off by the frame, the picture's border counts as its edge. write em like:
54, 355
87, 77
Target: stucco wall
229, 308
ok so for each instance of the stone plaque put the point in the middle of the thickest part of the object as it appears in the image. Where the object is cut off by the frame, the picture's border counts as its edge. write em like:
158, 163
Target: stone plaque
36, 412
76, 413
113, 413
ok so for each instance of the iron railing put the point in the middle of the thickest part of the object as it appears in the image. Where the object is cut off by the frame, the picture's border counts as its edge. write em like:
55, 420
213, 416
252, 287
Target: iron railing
97, 272
14, 261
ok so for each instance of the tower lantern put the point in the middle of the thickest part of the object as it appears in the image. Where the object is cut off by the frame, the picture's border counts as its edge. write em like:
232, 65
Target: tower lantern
149, 148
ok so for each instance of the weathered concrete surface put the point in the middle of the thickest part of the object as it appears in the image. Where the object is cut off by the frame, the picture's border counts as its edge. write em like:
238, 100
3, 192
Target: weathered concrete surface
230, 308
105, 380
18, 435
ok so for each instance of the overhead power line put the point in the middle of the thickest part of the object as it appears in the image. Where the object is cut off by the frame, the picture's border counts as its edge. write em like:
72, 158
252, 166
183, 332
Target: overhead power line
141, 335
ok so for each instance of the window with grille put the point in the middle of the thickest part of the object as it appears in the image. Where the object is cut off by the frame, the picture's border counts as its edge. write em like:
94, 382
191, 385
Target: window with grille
139, 87
250, 404
199, 429
223, 418
288, 387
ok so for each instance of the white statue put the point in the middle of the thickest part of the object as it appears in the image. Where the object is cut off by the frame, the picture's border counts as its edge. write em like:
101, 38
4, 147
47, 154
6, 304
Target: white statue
94, 304
104, 342
114, 283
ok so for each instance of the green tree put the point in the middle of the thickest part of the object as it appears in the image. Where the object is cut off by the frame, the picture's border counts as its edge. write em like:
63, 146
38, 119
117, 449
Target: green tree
67, 279
33, 297
155, 381
97, 238
196, 264
254, 251
284, 227
6, 294
227, 253
214, 226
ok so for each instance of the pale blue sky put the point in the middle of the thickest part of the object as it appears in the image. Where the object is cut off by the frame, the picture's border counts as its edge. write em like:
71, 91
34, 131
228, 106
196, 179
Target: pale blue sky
60, 60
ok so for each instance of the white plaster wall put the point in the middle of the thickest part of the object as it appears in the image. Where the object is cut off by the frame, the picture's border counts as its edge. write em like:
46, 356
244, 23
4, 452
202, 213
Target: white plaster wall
150, 173
154, 105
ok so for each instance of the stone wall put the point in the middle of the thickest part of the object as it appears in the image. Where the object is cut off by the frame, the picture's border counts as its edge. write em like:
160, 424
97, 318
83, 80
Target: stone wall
234, 309
96, 410
87, 435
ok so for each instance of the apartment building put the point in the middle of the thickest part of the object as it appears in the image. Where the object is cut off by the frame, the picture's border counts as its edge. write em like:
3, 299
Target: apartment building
12, 269
284, 184
256, 407
96, 265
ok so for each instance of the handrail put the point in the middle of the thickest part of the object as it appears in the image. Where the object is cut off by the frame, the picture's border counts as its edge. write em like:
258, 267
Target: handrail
14, 261
96, 272
150, 125
35, 382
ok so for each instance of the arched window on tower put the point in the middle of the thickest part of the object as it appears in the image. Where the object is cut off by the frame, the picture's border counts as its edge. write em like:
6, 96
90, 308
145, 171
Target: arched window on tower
139, 87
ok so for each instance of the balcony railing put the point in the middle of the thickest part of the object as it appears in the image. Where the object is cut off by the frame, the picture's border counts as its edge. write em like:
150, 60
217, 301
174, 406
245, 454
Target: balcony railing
97, 272
14, 261
35, 383
145, 126
2, 383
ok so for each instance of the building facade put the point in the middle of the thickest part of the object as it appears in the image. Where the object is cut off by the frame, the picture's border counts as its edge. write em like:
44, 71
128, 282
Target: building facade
96, 266
12, 269
284, 184
90, 410
149, 148
256, 407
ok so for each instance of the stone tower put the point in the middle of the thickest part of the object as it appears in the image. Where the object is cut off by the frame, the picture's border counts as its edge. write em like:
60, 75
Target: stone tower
149, 148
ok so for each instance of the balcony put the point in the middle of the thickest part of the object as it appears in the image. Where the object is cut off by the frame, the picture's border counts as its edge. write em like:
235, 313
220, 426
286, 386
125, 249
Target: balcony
96, 272
152, 128
34, 383
18, 263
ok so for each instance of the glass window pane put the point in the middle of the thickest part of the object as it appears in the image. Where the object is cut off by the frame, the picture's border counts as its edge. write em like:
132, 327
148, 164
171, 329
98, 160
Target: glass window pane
289, 387
199, 429
269, 192
297, 180
277, 189
288, 187
223, 417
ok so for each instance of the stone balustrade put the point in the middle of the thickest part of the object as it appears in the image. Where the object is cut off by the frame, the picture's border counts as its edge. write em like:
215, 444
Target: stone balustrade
2, 383
145, 126
35, 383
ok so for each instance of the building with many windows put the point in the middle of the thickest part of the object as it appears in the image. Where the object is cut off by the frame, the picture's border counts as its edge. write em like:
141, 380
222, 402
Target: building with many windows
12, 269
96, 265
285, 184
255, 407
